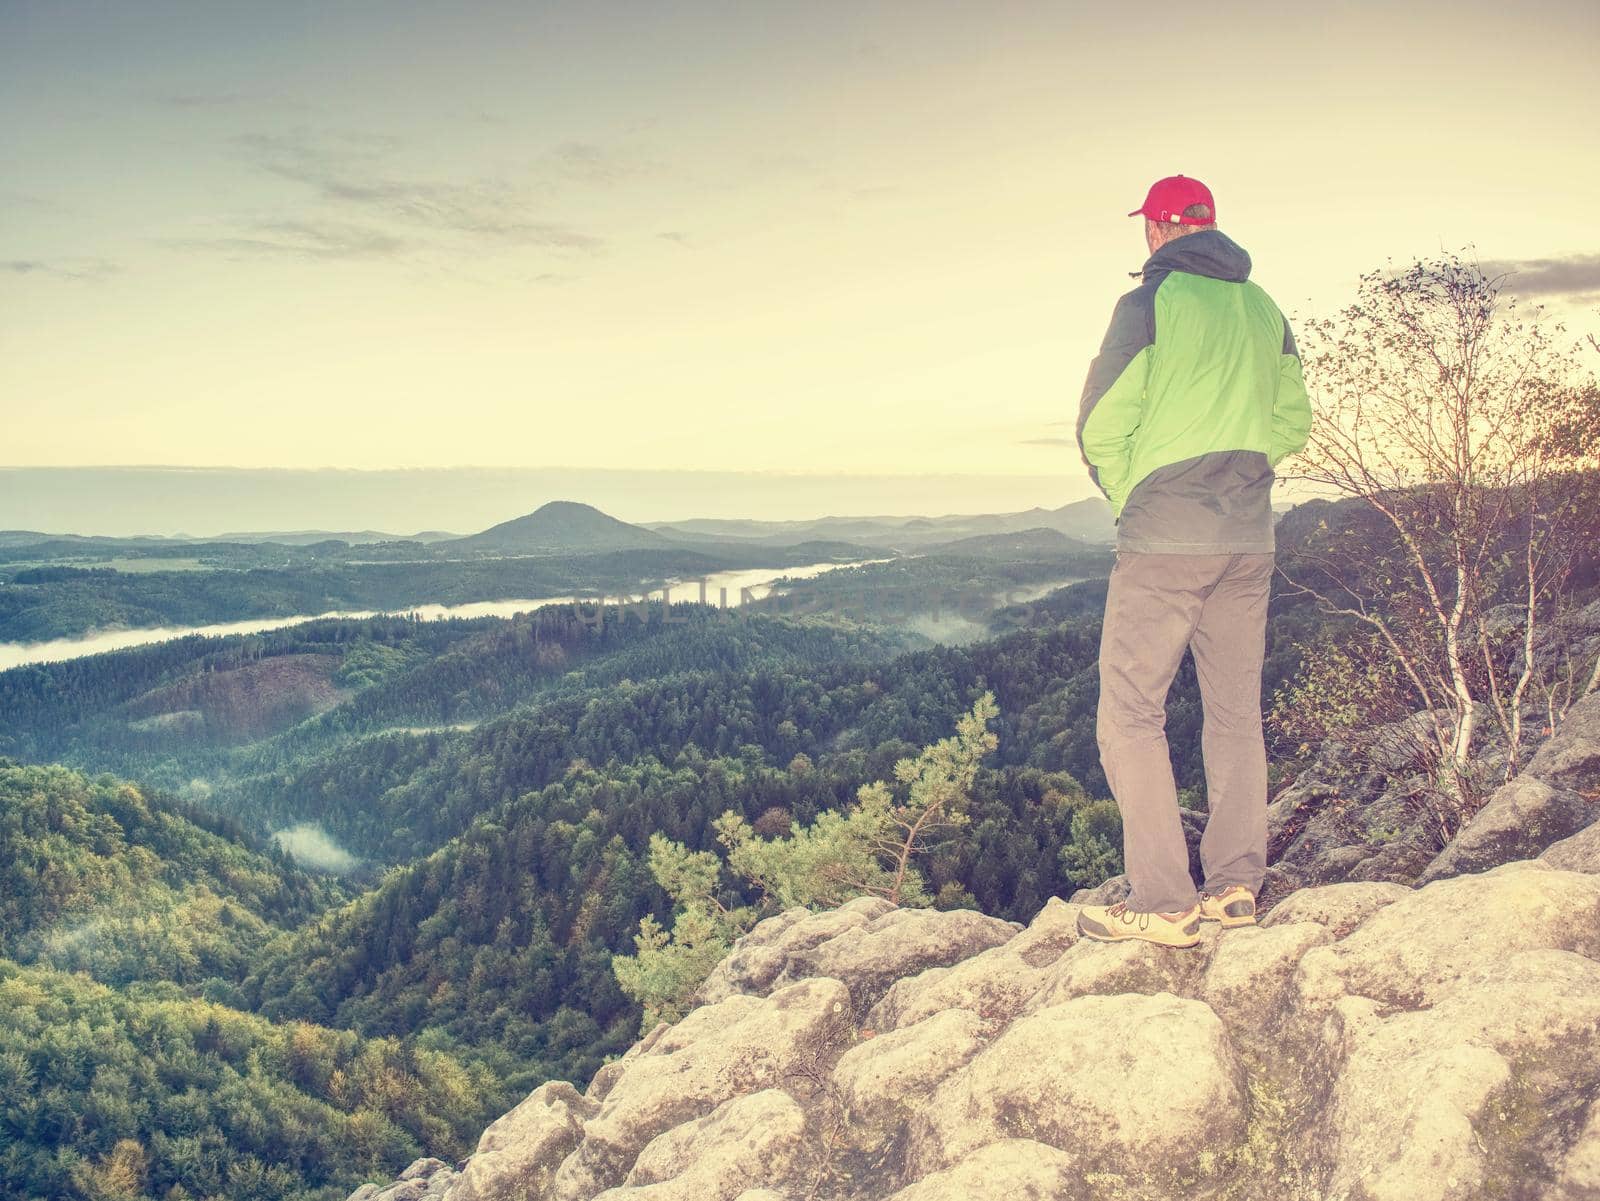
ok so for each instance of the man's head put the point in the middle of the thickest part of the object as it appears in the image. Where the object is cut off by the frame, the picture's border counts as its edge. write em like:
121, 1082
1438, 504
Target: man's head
1174, 208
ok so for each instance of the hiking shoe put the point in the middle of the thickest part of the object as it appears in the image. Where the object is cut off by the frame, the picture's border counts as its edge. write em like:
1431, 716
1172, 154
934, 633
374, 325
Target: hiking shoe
1233, 906
1114, 923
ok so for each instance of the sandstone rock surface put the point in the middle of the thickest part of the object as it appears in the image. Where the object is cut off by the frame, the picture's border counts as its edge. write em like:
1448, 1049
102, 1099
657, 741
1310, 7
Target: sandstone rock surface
1368, 1040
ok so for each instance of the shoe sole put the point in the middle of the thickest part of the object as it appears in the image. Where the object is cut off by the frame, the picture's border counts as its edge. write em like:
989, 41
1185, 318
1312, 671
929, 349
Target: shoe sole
1098, 934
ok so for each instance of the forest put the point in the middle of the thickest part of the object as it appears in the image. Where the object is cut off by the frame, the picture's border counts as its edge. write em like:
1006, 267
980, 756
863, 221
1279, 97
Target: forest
187, 1010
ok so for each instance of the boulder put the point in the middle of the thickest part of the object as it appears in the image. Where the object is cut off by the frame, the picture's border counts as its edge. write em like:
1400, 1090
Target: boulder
1580, 853
1247, 981
519, 1151
993, 984
884, 1079
1580, 1168
1018, 1169
422, 1169
1339, 908
1518, 821
1123, 967
748, 1140
739, 1045
866, 944
1107, 892
1409, 952
1570, 758
1418, 1104
868, 958
1143, 1087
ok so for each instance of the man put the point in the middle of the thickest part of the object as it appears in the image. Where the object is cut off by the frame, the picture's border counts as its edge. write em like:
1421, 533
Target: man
1194, 398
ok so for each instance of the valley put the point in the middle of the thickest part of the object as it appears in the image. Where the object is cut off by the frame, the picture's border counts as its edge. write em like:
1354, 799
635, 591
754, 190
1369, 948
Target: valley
370, 871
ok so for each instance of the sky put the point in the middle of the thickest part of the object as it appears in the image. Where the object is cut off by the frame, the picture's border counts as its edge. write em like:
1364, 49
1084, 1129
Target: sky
874, 238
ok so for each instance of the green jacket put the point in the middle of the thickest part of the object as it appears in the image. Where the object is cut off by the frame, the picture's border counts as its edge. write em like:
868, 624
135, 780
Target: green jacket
1194, 398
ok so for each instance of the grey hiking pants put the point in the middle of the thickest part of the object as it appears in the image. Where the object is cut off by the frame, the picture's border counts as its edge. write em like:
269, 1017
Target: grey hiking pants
1157, 605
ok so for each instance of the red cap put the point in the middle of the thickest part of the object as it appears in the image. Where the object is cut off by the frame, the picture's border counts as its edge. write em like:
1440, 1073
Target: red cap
1170, 196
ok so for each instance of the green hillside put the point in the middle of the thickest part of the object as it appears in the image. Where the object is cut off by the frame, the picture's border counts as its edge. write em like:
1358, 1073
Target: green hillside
108, 1093
127, 923
96, 876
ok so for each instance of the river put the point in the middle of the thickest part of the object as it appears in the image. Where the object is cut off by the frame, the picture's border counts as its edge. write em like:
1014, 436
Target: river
723, 588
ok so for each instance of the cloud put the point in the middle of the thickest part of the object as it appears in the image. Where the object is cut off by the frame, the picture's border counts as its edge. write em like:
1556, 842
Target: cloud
321, 240
673, 235
86, 269
23, 200
345, 171
585, 162
1047, 442
309, 845
1575, 276
200, 99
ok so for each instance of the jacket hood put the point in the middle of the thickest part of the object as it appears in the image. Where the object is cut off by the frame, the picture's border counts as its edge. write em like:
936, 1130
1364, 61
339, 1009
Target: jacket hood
1210, 252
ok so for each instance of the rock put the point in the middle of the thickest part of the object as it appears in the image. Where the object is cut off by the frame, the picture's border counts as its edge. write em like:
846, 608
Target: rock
1411, 1108
747, 1139
1580, 1168
1410, 951
1108, 892
1580, 853
605, 1076
1351, 814
1368, 1041
866, 946
519, 1151
1247, 980
1290, 809
757, 958
1017, 1169
1518, 821
870, 957
883, 1080
738, 1045
423, 1168
1123, 967
365, 1193
1571, 757
1137, 1086
1340, 908
994, 984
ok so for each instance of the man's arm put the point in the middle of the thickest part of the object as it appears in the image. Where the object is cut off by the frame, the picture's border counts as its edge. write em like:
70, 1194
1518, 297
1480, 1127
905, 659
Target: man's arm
1113, 396
1291, 407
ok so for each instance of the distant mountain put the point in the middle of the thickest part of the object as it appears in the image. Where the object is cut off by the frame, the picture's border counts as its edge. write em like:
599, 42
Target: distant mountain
15, 538
1024, 544
1086, 520
101, 542
562, 526
311, 537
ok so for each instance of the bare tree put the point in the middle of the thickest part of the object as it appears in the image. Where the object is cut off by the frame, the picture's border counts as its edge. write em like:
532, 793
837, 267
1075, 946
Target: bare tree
1456, 420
